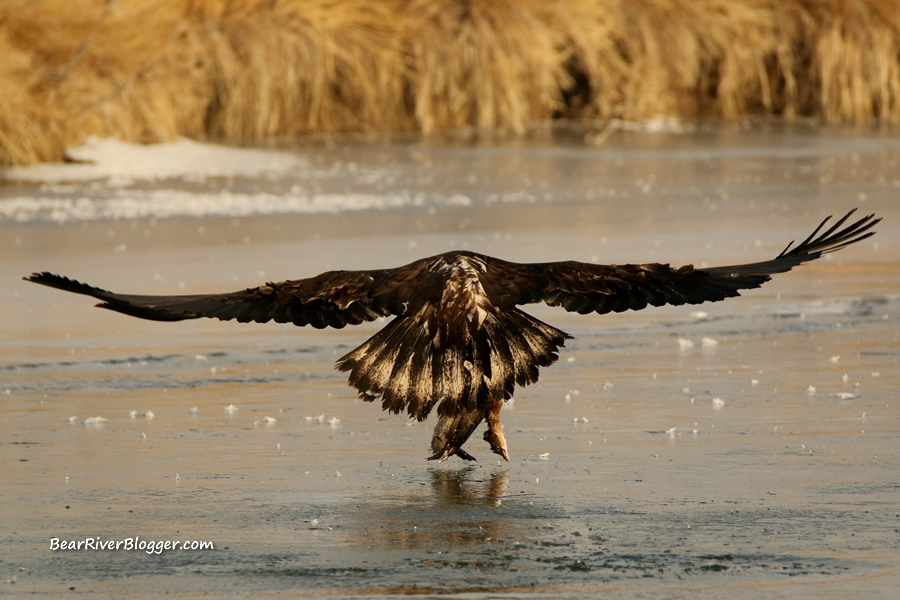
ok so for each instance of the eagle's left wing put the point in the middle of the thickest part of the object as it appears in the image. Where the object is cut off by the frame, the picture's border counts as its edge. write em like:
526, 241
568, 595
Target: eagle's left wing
332, 299
585, 287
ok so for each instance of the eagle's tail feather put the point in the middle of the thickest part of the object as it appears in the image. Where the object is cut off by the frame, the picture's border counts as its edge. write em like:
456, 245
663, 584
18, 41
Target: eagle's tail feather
531, 344
412, 368
372, 362
502, 362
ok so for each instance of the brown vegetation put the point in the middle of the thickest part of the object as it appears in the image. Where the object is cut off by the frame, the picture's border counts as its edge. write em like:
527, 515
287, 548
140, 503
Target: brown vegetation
245, 70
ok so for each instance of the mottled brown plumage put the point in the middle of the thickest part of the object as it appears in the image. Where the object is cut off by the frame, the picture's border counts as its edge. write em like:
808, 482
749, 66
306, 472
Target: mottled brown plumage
458, 340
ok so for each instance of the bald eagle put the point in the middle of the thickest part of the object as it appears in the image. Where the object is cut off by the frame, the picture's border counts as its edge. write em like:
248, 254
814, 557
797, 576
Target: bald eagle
458, 340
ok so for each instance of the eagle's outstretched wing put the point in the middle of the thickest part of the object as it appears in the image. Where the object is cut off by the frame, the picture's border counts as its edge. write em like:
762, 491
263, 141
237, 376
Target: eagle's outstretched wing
585, 288
332, 299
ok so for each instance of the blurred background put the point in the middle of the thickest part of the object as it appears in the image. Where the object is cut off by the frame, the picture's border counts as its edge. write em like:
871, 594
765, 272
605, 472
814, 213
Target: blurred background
250, 71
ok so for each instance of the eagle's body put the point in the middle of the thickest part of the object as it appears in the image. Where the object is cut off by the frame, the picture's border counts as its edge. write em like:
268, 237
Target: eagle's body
458, 340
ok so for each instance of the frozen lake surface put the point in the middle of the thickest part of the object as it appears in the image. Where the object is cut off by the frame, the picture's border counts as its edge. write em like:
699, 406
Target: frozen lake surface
744, 449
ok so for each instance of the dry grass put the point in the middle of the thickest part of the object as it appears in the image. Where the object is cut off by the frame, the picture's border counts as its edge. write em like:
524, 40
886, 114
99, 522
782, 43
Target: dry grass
855, 59
486, 63
130, 70
288, 68
246, 70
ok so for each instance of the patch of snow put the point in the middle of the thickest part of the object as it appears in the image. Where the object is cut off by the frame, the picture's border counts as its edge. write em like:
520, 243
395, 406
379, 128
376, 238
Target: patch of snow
122, 163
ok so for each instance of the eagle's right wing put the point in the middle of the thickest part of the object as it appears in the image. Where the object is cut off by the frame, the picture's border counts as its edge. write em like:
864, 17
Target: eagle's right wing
332, 299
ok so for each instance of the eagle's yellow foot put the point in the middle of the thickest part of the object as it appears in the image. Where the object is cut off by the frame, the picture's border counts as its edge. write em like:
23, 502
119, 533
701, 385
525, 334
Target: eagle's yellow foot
494, 434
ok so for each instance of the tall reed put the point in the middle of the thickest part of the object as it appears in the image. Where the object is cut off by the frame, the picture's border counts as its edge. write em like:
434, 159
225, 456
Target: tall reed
246, 70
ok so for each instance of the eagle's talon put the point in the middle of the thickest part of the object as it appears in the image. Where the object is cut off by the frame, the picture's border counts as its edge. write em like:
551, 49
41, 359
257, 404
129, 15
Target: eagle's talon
494, 434
464, 455
445, 454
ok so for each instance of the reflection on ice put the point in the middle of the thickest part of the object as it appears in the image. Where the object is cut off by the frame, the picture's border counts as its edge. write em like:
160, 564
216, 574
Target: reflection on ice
462, 506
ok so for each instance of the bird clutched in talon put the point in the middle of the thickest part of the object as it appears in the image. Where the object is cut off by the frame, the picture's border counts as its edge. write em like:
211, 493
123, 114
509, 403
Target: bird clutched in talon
458, 342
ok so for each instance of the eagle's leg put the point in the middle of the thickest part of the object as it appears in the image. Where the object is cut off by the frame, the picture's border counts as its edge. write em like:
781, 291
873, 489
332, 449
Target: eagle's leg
451, 432
494, 434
